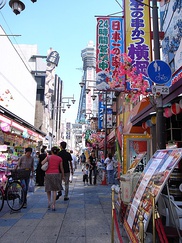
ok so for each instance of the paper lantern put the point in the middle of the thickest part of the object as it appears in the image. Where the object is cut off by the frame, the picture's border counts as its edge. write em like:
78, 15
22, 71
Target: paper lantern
175, 108
149, 123
5, 127
167, 112
180, 104
144, 125
153, 120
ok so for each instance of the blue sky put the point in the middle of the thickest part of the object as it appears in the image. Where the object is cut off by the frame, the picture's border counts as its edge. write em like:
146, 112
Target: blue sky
66, 26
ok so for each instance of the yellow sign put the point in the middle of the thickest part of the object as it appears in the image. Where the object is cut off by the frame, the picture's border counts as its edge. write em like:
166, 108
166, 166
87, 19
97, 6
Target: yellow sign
138, 34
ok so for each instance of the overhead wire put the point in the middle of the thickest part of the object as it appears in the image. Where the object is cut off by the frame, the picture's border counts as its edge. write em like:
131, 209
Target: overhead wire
119, 4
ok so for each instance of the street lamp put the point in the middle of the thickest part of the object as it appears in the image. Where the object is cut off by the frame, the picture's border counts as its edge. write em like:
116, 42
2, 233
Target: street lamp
106, 101
56, 110
105, 138
70, 98
82, 84
16, 5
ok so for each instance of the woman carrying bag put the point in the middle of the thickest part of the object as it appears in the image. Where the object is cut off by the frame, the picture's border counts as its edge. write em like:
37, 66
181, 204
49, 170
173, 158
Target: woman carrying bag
52, 176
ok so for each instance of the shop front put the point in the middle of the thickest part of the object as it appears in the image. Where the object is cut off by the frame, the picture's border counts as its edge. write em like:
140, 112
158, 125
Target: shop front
15, 135
110, 143
172, 104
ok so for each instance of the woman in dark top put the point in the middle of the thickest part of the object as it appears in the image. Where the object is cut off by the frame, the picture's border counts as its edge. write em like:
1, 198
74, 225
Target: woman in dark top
39, 172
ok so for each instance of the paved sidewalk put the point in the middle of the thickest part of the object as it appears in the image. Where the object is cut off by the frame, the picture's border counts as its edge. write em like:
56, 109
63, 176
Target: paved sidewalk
85, 218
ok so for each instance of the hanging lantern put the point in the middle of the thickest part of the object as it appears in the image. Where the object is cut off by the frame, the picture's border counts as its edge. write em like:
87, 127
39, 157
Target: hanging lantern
175, 108
167, 112
144, 125
5, 127
153, 120
149, 123
180, 103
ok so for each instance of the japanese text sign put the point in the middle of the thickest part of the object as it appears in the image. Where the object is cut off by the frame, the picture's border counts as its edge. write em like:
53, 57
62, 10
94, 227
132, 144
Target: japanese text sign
109, 41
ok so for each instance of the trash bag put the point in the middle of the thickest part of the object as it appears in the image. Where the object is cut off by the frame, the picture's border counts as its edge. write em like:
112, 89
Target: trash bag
31, 187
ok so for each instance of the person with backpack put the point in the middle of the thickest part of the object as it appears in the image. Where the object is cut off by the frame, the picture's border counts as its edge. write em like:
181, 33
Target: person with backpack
82, 159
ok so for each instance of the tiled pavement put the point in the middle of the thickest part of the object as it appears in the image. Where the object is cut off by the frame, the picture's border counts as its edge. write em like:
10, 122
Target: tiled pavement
85, 218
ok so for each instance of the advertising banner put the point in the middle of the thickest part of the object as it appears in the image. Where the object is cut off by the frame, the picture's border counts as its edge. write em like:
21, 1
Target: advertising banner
138, 35
134, 144
109, 40
151, 182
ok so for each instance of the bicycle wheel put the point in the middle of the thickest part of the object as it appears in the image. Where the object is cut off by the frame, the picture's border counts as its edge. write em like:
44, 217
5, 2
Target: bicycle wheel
15, 196
1, 199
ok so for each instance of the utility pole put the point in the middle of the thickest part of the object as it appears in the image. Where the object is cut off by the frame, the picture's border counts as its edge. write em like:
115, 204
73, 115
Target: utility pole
160, 128
105, 138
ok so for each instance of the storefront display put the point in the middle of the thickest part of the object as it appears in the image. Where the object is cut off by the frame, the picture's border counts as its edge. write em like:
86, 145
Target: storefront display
134, 144
151, 182
129, 180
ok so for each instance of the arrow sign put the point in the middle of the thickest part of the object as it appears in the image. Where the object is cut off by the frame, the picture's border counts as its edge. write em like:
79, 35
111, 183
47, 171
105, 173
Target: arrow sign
159, 72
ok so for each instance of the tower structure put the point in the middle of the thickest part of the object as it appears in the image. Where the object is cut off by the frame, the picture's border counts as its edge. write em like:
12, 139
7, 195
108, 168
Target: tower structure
86, 104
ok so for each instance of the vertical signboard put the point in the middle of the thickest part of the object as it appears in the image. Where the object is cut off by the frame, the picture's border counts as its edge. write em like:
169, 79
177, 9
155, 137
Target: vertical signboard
109, 42
109, 118
101, 112
90, 77
68, 128
138, 37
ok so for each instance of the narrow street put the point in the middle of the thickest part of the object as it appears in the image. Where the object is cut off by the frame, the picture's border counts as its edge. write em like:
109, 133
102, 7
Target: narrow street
85, 218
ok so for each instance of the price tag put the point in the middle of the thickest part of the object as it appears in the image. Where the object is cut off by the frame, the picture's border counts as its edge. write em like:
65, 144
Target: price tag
160, 89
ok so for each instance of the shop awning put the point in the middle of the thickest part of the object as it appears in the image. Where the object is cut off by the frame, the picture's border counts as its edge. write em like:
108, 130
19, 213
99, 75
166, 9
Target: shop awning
19, 122
110, 140
174, 91
128, 125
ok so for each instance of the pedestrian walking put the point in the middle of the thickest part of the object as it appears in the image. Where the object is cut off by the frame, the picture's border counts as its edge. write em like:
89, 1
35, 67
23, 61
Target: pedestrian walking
82, 159
74, 165
92, 167
36, 160
85, 171
52, 176
109, 162
26, 162
67, 166
40, 174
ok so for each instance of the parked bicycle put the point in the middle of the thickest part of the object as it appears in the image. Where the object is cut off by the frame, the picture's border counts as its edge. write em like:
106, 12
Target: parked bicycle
12, 190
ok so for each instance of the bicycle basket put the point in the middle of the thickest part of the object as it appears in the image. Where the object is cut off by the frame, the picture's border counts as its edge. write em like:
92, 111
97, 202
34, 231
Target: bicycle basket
20, 174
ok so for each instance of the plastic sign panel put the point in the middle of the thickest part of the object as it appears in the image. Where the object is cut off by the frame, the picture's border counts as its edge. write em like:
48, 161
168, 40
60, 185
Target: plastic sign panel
158, 89
136, 161
159, 72
151, 182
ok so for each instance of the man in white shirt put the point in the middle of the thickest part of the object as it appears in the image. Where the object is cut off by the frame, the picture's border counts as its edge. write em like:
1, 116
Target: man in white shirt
74, 164
109, 161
